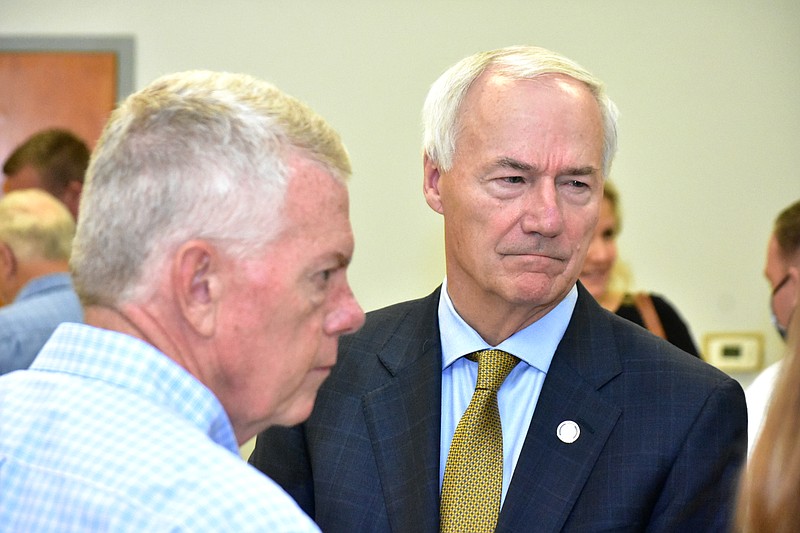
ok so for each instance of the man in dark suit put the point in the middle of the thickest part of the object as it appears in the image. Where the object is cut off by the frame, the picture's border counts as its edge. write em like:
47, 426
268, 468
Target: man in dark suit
604, 426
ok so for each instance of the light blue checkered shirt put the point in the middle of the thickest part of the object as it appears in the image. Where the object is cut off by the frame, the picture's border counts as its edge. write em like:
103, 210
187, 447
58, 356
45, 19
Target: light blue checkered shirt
27, 323
105, 433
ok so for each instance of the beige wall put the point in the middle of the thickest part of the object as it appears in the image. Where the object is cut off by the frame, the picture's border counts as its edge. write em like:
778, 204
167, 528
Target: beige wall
708, 90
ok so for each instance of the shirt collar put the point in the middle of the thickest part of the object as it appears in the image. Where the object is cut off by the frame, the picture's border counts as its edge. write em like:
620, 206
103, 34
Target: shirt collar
133, 364
44, 283
535, 344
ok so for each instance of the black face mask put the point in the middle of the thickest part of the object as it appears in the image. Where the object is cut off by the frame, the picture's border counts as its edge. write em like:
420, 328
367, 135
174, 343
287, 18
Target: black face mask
781, 329
779, 286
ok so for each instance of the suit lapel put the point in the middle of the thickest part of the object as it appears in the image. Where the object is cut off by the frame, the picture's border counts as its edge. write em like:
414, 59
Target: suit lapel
403, 419
550, 473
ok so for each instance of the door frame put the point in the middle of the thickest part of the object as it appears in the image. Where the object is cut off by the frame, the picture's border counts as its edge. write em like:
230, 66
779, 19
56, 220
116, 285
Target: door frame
123, 46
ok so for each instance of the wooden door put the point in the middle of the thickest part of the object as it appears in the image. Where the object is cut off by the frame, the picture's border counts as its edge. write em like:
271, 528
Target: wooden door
44, 89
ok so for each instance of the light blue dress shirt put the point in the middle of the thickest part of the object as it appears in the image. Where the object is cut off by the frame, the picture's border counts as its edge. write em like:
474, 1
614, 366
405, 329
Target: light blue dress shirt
27, 322
517, 397
106, 433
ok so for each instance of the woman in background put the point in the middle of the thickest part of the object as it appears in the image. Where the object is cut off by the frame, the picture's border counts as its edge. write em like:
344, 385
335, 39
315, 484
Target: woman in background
601, 274
769, 495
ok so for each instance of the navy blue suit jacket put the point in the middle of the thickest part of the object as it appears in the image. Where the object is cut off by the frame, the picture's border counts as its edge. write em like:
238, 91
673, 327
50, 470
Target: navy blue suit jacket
663, 434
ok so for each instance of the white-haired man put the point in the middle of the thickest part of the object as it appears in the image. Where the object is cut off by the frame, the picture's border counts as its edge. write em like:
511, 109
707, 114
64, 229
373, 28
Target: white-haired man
210, 256
598, 426
36, 232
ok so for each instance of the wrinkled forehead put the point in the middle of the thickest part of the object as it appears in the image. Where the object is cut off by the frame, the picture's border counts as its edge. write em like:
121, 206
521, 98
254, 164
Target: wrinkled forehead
496, 97
540, 118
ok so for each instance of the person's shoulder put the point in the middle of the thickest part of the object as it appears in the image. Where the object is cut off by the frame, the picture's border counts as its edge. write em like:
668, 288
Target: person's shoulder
660, 299
403, 309
215, 490
639, 349
670, 381
199, 485
391, 339
662, 302
15, 354
387, 321
239, 498
23, 332
38, 317
43, 310
764, 382
11, 314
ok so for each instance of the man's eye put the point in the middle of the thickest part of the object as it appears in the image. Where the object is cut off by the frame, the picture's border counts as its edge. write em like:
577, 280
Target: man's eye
514, 179
577, 184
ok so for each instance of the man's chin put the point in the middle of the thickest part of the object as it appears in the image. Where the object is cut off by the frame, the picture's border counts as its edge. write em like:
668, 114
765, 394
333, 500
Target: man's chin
299, 413
307, 397
538, 290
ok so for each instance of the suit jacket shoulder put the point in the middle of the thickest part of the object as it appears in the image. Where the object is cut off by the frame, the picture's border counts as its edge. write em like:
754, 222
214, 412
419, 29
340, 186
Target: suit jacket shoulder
398, 335
661, 436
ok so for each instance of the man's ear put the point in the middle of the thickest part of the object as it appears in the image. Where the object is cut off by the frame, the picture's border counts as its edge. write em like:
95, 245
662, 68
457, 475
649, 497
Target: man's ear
794, 273
430, 184
8, 261
8, 271
197, 285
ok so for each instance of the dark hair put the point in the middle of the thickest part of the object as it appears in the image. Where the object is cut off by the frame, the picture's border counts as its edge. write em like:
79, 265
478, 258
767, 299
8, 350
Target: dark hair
59, 156
787, 230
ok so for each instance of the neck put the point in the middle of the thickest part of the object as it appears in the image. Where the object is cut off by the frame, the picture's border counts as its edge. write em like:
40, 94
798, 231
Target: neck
29, 270
498, 319
145, 323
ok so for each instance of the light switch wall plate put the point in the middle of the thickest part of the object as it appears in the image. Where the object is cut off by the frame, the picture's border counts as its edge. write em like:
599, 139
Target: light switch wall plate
734, 351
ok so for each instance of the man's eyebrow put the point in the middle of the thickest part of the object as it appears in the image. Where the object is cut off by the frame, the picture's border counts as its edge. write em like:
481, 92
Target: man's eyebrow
339, 259
579, 171
343, 260
515, 164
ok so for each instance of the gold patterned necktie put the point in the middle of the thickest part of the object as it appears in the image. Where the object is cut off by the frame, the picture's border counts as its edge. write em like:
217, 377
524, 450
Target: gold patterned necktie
473, 474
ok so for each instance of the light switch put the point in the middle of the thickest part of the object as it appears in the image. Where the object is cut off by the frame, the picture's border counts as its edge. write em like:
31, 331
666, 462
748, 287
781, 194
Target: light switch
734, 352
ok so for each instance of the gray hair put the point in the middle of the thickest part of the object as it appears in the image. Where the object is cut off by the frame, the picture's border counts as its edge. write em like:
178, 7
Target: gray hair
195, 155
442, 107
35, 225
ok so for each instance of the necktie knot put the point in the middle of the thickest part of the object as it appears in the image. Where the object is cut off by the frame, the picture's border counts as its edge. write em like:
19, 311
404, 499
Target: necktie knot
493, 368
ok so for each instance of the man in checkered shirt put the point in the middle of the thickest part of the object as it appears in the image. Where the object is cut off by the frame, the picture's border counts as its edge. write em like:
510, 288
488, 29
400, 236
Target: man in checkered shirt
210, 258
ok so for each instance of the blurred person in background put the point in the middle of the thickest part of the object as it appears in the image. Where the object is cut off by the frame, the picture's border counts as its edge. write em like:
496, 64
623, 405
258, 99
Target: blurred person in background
36, 232
782, 270
607, 280
54, 160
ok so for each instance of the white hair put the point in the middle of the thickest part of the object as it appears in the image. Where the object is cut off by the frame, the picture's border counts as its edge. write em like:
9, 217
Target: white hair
36, 225
442, 109
195, 155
